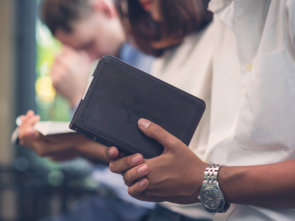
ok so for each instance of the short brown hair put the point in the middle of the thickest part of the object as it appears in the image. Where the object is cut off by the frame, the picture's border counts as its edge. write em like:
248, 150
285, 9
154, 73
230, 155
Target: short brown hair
62, 13
180, 18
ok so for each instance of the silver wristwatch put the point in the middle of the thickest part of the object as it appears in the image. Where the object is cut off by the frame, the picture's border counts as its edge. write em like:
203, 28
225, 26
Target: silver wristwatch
210, 195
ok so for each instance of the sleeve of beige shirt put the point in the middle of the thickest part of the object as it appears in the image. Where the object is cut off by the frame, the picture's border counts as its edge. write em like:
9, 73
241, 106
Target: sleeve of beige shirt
291, 14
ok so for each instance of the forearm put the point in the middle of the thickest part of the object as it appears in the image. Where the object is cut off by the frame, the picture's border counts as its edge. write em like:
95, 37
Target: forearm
270, 185
93, 151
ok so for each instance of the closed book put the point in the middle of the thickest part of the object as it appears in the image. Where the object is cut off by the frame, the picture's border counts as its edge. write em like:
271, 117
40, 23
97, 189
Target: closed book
119, 95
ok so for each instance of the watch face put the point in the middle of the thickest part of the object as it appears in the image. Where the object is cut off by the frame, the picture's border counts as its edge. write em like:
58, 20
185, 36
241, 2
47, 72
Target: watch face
211, 198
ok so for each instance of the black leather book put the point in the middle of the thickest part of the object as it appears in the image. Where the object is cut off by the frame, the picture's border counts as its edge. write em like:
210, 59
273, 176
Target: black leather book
119, 95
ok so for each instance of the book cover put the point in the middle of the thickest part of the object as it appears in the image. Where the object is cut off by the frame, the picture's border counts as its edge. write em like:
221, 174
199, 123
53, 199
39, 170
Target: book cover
120, 94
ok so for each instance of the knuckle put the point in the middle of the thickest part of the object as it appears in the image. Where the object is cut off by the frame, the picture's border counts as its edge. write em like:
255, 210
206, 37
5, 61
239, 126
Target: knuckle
129, 161
132, 192
171, 141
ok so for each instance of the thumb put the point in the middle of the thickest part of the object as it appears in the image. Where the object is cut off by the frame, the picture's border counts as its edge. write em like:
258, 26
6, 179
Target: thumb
157, 133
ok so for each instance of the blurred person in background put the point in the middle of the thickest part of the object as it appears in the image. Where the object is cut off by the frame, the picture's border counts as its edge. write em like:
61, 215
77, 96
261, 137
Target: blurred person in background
88, 30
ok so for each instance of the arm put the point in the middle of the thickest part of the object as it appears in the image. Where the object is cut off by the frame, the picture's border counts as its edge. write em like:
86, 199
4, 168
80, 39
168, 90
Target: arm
270, 185
177, 175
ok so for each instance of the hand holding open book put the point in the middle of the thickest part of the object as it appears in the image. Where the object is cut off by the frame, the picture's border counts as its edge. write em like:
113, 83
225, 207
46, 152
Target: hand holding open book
45, 128
56, 140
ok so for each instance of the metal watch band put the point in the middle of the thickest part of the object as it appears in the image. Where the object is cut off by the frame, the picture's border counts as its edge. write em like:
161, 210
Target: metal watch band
211, 172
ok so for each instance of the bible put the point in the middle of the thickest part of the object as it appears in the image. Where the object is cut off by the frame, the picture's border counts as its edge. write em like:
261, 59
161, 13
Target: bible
119, 95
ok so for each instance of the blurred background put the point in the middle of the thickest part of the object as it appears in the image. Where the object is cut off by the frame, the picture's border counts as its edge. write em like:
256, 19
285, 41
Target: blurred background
31, 187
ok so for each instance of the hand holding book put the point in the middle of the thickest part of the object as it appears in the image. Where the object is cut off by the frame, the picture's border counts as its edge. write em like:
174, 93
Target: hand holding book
59, 144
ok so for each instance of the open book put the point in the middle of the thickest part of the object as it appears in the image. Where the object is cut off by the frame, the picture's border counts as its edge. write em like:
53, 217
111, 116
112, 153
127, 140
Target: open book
46, 128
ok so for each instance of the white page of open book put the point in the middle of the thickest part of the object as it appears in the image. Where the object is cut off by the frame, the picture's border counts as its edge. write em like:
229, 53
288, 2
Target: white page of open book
46, 128
52, 127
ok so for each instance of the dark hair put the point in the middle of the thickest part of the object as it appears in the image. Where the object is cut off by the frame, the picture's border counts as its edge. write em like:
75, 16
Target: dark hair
62, 13
179, 19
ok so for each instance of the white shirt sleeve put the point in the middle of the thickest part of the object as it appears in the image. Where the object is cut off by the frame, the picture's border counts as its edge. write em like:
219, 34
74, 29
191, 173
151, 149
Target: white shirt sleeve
291, 14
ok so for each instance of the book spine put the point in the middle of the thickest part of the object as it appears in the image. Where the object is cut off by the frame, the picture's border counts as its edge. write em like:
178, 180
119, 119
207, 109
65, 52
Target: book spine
73, 123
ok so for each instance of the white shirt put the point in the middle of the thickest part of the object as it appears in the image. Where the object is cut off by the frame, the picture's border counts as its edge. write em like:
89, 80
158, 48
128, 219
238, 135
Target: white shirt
252, 111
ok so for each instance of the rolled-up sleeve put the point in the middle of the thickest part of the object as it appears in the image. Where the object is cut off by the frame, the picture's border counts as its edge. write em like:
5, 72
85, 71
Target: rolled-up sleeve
291, 17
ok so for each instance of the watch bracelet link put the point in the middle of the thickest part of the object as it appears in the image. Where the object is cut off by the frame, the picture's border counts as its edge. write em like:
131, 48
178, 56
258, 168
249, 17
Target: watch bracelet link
211, 172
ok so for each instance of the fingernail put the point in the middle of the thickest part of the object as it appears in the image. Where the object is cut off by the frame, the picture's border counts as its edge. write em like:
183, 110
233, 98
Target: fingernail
143, 123
143, 183
143, 170
112, 152
137, 159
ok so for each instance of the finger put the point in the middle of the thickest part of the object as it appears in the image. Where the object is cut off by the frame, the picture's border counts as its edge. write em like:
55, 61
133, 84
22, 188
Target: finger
125, 163
111, 153
34, 120
29, 122
156, 132
28, 133
138, 188
136, 173
30, 113
26, 129
25, 119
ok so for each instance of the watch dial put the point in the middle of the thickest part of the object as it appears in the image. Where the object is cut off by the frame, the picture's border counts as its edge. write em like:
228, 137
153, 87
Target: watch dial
211, 198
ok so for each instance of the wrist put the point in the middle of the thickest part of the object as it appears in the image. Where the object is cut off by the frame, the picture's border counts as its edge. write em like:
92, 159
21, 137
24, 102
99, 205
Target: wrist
91, 149
197, 178
211, 195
